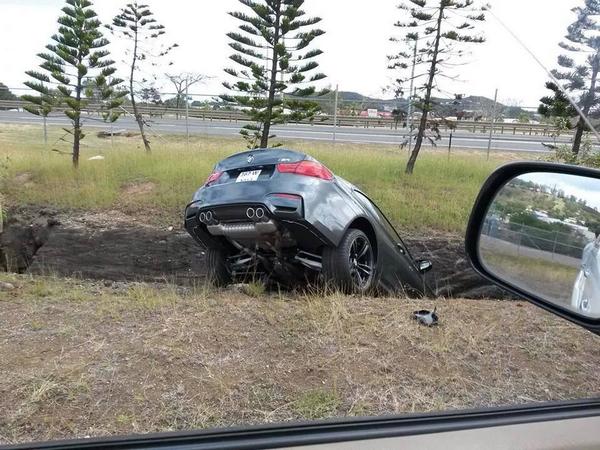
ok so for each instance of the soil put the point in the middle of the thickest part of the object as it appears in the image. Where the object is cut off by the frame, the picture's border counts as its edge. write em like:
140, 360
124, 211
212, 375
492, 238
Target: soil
95, 358
114, 246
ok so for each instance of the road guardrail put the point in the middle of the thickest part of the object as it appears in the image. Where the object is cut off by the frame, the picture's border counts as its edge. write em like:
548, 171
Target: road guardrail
325, 119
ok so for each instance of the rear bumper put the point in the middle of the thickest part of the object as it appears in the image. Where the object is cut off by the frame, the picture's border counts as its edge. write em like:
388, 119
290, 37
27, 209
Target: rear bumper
232, 221
319, 205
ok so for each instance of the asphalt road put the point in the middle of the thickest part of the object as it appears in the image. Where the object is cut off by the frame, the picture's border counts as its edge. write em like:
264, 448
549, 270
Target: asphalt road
461, 139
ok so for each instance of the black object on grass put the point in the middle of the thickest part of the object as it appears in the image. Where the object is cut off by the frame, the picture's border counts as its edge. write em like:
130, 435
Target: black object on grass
426, 317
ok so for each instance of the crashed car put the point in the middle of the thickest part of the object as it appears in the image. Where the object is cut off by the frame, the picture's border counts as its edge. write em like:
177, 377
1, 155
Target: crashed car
585, 296
282, 215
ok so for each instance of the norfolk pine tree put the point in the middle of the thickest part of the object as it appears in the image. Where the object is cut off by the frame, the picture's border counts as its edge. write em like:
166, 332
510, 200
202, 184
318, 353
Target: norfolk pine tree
579, 67
276, 57
78, 54
441, 27
137, 25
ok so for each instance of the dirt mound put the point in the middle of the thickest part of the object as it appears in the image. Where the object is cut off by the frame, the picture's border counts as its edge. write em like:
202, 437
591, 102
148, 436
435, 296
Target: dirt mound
113, 246
23, 234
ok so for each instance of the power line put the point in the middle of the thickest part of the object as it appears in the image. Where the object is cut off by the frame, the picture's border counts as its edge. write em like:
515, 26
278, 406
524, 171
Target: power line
552, 77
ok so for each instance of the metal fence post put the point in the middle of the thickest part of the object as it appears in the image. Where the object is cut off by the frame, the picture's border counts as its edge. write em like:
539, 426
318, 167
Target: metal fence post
187, 113
335, 112
554, 246
492, 124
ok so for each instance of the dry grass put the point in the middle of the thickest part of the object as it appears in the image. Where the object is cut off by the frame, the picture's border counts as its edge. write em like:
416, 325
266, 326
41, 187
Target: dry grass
439, 195
550, 279
80, 358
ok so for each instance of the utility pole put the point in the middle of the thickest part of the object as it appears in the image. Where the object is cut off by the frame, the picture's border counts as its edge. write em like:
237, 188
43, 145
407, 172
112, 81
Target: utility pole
410, 97
335, 110
492, 124
187, 125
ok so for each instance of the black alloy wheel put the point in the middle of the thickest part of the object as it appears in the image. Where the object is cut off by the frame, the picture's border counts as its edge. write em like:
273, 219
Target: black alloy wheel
361, 262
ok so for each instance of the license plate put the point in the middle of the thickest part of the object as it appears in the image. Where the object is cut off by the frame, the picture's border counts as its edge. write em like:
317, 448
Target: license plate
251, 175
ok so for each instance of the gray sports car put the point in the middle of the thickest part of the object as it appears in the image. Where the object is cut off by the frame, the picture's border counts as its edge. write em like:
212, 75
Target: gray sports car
282, 215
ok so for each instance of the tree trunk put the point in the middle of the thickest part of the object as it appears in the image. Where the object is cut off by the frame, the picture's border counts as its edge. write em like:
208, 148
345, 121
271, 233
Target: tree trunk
177, 100
427, 104
264, 140
136, 114
578, 136
76, 142
587, 106
77, 121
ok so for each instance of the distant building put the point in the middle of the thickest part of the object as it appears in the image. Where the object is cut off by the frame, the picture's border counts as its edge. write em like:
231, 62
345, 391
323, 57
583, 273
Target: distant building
373, 113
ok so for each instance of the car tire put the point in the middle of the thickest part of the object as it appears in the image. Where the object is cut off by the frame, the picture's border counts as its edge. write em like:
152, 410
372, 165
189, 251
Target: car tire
344, 268
217, 268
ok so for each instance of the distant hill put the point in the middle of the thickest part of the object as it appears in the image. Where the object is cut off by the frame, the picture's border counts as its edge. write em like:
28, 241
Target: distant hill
472, 105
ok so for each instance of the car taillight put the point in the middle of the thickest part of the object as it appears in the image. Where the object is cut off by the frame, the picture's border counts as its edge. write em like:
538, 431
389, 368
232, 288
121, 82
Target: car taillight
213, 177
307, 168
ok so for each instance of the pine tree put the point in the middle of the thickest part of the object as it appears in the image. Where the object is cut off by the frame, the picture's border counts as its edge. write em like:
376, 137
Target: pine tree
439, 28
557, 107
42, 103
274, 48
579, 67
136, 24
5, 93
76, 55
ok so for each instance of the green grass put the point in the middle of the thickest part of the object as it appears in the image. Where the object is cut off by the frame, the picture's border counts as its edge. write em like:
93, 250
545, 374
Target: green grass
438, 195
317, 404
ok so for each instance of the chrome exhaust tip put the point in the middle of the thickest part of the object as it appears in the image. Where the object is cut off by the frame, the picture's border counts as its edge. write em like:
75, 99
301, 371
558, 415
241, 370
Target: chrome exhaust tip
250, 213
202, 217
260, 213
209, 216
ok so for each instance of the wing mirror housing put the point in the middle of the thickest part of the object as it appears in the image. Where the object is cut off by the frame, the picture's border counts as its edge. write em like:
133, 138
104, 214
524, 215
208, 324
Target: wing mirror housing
535, 231
424, 266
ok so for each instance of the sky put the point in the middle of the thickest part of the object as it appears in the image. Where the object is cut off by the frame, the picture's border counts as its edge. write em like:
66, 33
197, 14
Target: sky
581, 187
356, 43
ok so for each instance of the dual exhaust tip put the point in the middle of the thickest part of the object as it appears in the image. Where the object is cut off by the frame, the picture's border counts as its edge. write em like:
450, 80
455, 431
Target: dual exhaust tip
254, 214
206, 217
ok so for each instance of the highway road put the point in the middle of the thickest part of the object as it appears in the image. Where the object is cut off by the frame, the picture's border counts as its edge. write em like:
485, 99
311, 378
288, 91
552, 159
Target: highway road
461, 139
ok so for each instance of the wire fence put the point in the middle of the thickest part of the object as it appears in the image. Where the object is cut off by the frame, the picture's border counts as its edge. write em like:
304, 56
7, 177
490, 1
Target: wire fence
212, 113
554, 242
474, 109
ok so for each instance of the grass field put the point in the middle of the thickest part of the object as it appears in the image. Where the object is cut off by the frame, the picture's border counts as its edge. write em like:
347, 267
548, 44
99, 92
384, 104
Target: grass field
550, 279
81, 358
92, 358
438, 196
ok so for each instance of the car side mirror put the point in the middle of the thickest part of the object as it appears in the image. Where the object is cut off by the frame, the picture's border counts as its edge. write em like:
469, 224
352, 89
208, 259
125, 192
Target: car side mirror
534, 231
424, 266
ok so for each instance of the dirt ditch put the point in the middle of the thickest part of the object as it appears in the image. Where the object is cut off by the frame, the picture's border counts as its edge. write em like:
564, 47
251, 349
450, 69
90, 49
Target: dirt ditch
113, 246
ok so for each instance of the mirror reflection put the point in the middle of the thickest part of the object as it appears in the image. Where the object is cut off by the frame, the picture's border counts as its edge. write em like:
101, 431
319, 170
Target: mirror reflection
542, 234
